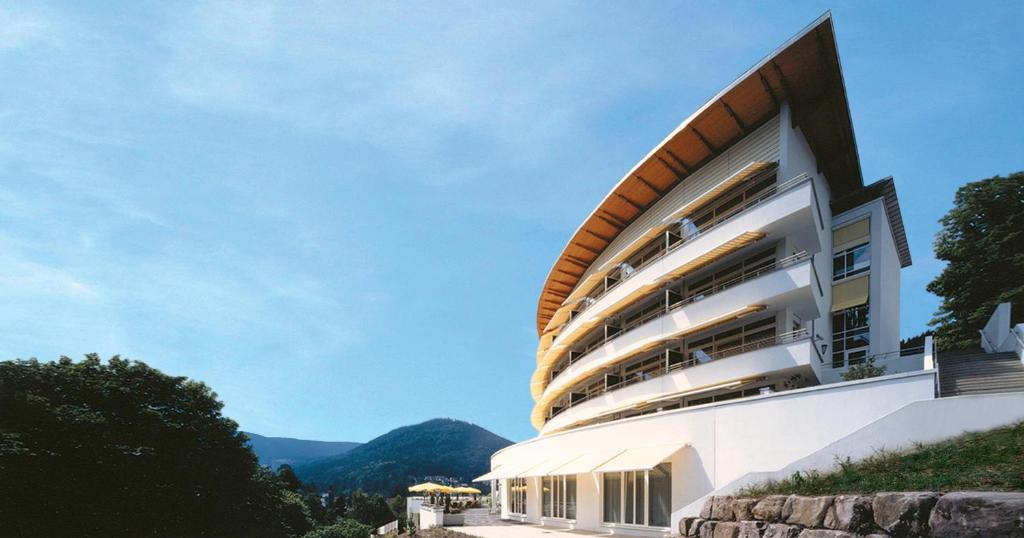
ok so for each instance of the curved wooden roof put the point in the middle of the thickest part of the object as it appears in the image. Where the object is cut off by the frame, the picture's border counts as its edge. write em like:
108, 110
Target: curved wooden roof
804, 72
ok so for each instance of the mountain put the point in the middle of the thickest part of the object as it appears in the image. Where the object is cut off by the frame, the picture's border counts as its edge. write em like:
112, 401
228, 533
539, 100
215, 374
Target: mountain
275, 451
401, 457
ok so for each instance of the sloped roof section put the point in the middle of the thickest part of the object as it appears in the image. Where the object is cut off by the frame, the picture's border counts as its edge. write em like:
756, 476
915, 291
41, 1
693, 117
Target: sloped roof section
886, 190
804, 72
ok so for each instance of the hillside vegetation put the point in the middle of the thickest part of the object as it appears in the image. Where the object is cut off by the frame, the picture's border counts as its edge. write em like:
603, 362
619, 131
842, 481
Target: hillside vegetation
276, 451
992, 460
392, 462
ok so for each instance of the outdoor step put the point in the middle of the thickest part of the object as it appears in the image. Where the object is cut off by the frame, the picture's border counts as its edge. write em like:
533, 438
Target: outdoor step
976, 372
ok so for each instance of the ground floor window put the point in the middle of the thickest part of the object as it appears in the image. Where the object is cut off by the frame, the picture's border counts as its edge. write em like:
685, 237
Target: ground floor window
638, 497
850, 336
559, 497
517, 496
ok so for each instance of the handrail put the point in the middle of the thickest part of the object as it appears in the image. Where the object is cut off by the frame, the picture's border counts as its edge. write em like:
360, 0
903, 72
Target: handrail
670, 308
904, 352
984, 340
768, 193
780, 339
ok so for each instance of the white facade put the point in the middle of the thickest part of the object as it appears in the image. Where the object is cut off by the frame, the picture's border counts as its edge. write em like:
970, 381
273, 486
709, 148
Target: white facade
707, 341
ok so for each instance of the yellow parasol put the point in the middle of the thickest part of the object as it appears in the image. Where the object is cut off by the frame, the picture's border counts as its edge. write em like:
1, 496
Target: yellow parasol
466, 489
430, 487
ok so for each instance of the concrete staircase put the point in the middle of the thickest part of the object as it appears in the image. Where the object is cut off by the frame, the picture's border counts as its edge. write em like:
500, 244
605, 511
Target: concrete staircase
972, 371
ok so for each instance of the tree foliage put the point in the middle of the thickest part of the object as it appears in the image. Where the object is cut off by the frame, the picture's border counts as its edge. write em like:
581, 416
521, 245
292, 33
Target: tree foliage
370, 509
121, 449
344, 528
864, 370
982, 241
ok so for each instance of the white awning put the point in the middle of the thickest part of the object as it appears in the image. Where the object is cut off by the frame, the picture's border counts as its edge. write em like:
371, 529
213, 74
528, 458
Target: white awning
584, 463
511, 471
546, 468
639, 459
487, 477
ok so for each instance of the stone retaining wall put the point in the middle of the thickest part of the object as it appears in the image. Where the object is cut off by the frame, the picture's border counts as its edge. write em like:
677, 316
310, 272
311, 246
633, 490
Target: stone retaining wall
896, 515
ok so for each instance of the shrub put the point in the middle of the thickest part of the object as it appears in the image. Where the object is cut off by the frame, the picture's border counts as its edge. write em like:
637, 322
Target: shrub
344, 528
864, 370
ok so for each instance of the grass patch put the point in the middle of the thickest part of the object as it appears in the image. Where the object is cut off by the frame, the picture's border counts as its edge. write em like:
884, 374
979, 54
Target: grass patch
992, 460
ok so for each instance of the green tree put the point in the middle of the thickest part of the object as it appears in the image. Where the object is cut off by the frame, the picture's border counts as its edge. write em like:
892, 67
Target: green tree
288, 478
372, 510
344, 528
982, 241
296, 516
397, 506
121, 449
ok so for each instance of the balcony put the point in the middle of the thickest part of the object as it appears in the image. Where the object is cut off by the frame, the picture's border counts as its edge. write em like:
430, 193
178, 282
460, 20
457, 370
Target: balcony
787, 283
779, 353
672, 302
783, 210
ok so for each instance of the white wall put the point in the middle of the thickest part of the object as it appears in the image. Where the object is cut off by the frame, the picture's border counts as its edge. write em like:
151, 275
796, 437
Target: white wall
996, 335
729, 439
797, 158
926, 421
884, 284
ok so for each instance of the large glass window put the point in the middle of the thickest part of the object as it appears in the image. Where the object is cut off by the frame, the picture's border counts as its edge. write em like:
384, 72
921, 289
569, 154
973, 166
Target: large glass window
852, 261
517, 496
612, 497
850, 336
639, 497
559, 497
659, 484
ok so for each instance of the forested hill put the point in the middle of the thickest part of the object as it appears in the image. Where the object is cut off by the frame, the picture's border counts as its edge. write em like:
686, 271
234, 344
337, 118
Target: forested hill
394, 461
275, 451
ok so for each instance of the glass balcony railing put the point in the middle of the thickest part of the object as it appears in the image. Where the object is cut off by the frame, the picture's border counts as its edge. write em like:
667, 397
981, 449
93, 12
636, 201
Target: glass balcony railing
669, 305
694, 359
688, 232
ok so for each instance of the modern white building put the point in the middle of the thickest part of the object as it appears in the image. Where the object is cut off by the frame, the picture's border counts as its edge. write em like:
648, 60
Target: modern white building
695, 329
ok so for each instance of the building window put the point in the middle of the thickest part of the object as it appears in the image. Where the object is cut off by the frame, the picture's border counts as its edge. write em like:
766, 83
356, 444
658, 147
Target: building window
559, 497
850, 336
639, 497
517, 496
852, 261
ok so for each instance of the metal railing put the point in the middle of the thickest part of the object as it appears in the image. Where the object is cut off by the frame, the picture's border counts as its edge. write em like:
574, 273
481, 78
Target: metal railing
666, 368
668, 308
698, 231
877, 357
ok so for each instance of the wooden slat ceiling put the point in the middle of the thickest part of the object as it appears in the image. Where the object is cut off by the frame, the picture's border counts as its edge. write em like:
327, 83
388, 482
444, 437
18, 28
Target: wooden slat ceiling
805, 72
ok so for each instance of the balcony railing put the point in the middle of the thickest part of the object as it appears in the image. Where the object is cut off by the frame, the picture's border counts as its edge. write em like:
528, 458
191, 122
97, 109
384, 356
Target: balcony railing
669, 307
691, 232
668, 367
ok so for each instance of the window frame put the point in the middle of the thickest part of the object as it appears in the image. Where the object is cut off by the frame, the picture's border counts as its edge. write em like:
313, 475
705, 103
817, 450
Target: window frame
636, 501
849, 261
842, 337
517, 496
555, 498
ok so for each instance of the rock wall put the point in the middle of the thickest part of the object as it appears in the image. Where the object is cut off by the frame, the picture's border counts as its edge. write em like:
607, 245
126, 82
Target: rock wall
896, 515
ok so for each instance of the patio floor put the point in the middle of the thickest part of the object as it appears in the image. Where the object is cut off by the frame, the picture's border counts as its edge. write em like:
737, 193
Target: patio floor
482, 524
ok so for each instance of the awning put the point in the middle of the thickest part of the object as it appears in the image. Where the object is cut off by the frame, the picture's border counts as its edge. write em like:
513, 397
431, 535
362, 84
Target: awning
639, 459
850, 293
547, 468
585, 463
510, 471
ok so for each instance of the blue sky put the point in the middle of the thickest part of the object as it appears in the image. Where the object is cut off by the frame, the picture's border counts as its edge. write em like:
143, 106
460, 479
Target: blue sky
339, 216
